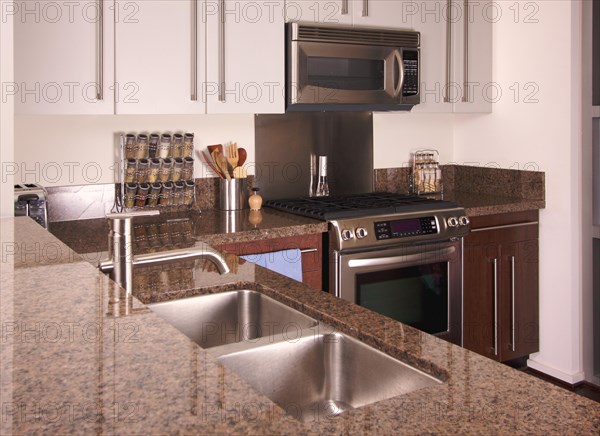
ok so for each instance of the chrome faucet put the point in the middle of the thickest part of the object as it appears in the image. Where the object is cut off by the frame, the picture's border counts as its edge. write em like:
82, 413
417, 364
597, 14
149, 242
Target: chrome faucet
121, 259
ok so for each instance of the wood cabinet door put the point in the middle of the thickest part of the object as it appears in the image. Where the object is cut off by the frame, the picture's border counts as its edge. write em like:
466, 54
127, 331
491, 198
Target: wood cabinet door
160, 57
63, 57
519, 299
480, 294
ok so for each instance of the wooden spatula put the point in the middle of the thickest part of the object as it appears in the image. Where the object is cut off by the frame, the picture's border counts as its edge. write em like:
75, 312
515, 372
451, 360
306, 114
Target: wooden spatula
221, 162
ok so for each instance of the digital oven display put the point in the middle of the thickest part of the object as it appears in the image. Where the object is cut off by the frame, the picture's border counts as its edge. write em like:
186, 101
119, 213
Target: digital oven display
405, 228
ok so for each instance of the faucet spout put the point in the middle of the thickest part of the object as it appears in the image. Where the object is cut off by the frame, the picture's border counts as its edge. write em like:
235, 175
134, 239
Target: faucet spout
121, 259
197, 252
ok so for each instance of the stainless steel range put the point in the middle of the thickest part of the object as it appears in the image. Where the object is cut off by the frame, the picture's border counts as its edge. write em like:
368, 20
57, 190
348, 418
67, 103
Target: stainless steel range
397, 255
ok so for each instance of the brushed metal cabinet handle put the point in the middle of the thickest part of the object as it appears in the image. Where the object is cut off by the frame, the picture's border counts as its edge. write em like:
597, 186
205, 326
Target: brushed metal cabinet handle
495, 263
512, 303
465, 97
365, 8
194, 94
344, 7
100, 94
448, 52
222, 51
309, 250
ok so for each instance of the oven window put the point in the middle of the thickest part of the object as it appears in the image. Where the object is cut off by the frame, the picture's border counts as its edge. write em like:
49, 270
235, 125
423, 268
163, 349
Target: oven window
416, 295
344, 73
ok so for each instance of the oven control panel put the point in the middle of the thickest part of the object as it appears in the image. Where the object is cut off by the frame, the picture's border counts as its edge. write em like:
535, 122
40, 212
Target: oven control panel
403, 228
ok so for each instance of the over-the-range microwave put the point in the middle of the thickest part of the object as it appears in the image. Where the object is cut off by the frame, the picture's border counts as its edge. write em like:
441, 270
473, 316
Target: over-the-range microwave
351, 68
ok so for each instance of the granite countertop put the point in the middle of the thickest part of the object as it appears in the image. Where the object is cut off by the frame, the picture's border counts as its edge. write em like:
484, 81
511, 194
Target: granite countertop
479, 204
70, 366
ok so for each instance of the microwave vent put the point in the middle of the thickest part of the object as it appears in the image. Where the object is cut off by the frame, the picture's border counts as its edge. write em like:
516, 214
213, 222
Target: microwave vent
353, 35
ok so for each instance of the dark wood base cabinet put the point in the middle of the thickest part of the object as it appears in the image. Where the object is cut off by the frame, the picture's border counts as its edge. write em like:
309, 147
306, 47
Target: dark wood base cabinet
500, 293
310, 245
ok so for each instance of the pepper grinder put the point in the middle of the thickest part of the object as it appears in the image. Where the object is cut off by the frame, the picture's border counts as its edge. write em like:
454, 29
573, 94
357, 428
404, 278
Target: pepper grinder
323, 184
255, 200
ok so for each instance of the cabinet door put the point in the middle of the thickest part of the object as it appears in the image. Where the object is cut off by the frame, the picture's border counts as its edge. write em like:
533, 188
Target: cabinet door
319, 11
456, 56
383, 13
520, 307
160, 57
245, 57
473, 88
481, 294
431, 19
64, 57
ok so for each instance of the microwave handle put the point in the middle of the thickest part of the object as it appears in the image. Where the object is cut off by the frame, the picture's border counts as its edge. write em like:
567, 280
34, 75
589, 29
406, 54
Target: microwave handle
402, 259
398, 81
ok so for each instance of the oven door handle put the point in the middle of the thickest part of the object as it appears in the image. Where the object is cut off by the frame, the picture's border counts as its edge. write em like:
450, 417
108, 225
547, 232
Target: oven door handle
407, 258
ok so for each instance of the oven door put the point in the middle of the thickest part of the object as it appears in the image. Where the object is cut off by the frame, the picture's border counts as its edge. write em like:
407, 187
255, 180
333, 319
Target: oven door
419, 285
326, 73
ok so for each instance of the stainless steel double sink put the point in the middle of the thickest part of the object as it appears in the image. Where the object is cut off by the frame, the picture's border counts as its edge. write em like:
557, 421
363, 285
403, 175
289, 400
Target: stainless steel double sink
304, 366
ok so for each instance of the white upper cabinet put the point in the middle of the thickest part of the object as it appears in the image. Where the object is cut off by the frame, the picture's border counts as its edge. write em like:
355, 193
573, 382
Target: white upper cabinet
456, 56
160, 57
245, 56
319, 11
64, 59
396, 14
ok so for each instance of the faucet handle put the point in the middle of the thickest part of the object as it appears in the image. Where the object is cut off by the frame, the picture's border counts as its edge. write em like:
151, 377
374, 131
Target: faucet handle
131, 215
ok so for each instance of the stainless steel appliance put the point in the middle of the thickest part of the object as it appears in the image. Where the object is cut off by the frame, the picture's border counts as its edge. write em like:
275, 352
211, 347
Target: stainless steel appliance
337, 68
397, 255
31, 200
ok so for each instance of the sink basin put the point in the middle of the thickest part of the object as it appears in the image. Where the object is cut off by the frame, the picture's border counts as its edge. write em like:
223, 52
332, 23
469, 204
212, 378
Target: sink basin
230, 317
322, 376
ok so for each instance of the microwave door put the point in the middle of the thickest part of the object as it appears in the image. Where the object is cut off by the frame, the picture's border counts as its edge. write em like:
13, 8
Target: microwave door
325, 73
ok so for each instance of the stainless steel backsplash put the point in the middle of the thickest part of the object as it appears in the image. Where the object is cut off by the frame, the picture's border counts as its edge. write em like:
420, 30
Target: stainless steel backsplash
285, 145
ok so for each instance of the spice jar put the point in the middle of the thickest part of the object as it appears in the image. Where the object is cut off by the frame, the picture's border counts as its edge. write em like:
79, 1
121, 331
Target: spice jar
142, 194
164, 173
142, 170
130, 170
164, 148
178, 195
177, 145
177, 169
130, 146
153, 145
153, 194
166, 194
188, 168
188, 145
142, 146
188, 193
129, 196
154, 169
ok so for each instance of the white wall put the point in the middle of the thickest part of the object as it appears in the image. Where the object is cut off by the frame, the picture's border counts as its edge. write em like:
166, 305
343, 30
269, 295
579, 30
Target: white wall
74, 150
6, 115
541, 57
396, 135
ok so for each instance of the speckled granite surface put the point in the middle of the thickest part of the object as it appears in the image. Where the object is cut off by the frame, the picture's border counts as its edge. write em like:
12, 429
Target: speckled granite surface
212, 226
480, 190
69, 366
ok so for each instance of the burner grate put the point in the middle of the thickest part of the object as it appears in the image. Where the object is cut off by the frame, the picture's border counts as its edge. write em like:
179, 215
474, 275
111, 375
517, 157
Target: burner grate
357, 205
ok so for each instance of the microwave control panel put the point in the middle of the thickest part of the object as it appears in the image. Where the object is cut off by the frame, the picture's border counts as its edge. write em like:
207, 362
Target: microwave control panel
411, 72
406, 227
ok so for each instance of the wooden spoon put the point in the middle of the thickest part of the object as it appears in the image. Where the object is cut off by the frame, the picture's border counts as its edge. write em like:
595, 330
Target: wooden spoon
221, 162
212, 166
242, 155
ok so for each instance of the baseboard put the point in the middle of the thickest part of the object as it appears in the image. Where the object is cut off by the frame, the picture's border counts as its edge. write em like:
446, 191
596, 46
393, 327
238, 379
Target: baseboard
571, 379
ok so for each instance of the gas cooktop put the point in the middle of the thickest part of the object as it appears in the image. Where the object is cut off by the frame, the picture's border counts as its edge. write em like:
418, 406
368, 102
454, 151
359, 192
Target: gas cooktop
357, 205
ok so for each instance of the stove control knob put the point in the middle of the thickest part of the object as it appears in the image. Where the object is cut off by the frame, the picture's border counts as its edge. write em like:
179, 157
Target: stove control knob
452, 222
464, 221
361, 233
347, 235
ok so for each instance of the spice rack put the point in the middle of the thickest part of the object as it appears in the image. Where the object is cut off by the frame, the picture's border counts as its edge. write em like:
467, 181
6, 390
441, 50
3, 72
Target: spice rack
426, 174
157, 171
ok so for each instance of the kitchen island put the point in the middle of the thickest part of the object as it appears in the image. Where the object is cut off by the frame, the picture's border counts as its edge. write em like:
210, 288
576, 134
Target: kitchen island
76, 360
